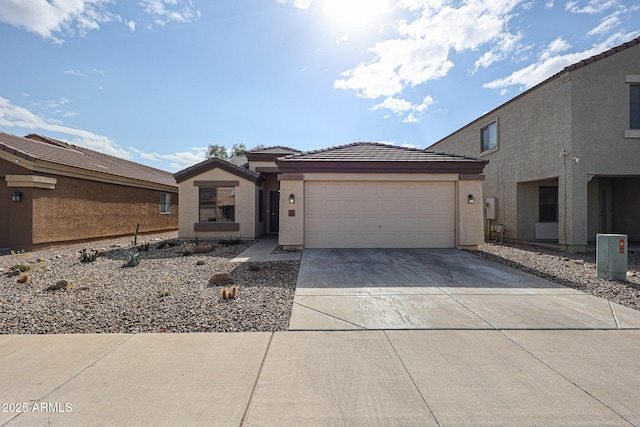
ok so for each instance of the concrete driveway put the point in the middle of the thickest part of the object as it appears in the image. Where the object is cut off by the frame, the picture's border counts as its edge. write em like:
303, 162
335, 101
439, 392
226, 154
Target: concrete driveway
352, 289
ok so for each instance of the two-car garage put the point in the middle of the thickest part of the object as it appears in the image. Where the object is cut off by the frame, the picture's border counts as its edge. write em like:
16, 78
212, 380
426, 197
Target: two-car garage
379, 214
370, 195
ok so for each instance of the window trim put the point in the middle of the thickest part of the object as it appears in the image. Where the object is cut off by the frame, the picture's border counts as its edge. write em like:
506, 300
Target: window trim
165, 207
485, 125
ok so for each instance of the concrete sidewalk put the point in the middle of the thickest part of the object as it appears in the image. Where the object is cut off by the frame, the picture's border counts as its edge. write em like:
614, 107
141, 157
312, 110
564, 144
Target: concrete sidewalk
261, 252
323, 378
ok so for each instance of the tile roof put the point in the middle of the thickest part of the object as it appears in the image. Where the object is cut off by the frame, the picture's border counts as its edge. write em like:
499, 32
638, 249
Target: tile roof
378, 157
216, 162
38, 148
276, 149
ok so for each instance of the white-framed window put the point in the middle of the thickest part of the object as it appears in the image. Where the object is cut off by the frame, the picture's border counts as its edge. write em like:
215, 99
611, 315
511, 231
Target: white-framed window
165, 203
489, 137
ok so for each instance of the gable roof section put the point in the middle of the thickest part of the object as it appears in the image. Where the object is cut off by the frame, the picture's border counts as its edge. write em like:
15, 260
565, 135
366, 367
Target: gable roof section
567, 69
375, 157
269, 154
42, 150
216, 162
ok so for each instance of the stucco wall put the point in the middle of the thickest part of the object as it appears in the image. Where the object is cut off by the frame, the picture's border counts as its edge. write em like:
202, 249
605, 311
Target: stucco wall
584, 112
469, 227
292, 227
245, 207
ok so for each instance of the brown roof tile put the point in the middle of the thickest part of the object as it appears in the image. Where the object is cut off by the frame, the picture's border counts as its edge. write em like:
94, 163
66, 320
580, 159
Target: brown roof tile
38, 148
376, 157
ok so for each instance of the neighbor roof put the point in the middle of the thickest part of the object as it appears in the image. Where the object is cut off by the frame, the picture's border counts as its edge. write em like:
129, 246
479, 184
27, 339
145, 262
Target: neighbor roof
216, 162
269, 154
377, 157
40, 149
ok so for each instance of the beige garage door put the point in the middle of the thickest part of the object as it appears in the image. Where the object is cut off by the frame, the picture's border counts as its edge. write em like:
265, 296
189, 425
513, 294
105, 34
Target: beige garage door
360, 214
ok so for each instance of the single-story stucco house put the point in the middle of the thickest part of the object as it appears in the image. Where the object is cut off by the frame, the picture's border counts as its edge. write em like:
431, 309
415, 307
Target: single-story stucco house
53, 192
564, 155
360, 195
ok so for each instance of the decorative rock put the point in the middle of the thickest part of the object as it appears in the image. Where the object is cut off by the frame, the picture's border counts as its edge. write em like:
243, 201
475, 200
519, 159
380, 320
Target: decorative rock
203, 249
200, 262
220, 279
60, 284
24, 278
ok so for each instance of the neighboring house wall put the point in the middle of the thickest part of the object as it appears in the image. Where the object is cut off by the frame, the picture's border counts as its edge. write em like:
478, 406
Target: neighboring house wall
82, 209
246, 198
568, 133
75, 209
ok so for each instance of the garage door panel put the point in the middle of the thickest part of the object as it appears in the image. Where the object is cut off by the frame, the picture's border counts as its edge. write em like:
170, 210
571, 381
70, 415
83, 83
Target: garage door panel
354, 214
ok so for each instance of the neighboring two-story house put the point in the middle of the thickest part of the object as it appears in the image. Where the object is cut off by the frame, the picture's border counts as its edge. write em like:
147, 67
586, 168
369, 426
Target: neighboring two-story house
564, 156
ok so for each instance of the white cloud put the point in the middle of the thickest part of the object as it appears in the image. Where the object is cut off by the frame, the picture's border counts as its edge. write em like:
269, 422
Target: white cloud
420, 49
177, 161
591, 7
505, 44
74, 73
301, 5
55, 19
549, 4
551, 63
402, 106
13, 116
165, 11
554, 48
607, 24
50, 19
407, 145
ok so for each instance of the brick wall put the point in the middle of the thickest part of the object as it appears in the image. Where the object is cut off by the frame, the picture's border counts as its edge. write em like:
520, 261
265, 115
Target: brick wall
79, 209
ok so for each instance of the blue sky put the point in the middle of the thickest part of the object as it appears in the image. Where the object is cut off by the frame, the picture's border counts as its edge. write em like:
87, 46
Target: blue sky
156, 81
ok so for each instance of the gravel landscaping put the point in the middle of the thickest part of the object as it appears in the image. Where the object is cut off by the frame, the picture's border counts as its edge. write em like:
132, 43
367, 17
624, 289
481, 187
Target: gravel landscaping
577, 271
166, 292
171, 292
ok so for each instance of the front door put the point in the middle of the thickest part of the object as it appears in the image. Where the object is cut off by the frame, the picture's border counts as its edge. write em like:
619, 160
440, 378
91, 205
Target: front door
274, 212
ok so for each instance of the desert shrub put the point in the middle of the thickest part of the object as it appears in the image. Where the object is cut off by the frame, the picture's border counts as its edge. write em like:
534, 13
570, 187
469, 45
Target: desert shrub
133, 259
86, 256
20, 267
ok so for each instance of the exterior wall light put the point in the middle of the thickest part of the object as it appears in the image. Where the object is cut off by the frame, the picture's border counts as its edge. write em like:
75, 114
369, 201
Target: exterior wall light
17, 196
470, 199
292, 199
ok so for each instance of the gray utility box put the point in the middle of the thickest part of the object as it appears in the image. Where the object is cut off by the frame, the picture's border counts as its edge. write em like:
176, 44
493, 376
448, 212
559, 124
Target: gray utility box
611, 256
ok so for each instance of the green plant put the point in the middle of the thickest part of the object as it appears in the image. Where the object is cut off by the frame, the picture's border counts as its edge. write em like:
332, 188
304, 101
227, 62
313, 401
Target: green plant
197, 241
135, 235
20, 267
143, 247
133, 259
187, 252
88, 256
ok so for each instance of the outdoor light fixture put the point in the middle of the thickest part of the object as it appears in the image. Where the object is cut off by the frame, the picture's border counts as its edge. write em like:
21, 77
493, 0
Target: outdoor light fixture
16, 196
292, 199
471, 199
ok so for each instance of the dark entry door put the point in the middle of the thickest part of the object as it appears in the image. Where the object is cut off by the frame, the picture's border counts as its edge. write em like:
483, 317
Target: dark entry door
274, 212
